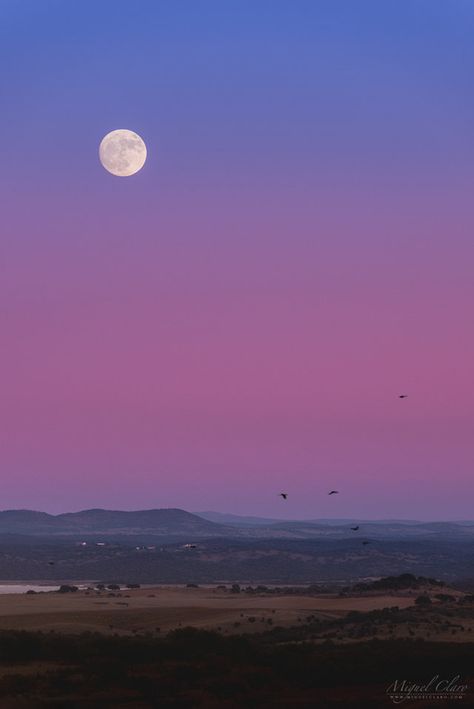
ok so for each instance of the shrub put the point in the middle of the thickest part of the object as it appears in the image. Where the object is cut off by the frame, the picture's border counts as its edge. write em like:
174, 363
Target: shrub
444, 597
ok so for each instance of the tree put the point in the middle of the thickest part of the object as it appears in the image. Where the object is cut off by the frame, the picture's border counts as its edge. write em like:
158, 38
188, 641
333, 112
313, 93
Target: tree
65, 588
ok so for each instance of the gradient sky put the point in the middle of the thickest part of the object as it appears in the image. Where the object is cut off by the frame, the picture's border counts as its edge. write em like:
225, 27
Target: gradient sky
238, 318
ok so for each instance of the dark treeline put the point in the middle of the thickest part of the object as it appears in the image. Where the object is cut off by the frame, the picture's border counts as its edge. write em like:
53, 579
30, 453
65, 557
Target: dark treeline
195, 668
396, 583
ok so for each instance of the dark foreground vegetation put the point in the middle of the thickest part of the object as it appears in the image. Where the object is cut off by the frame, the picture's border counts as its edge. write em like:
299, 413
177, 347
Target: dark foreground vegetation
195, 668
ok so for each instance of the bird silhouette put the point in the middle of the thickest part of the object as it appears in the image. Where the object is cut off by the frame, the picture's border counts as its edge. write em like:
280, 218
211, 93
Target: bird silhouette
51, 563
403, 396
365, 543
333, 492
354, 529
284, 495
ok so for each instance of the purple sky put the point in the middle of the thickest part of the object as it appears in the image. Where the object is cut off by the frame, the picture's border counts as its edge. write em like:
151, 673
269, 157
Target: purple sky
239, 317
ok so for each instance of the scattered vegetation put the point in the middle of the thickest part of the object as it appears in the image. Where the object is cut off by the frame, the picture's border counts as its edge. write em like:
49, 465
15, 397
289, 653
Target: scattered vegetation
396, 583
260, 589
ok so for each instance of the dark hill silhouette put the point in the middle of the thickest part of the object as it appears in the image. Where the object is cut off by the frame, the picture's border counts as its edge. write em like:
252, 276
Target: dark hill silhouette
169, 521
166, 522
178, 524
21, 521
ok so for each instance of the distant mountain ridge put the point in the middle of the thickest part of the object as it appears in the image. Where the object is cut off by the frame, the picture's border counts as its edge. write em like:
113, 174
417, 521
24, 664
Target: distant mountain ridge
175, 523
238, 520
167, 522
253, 521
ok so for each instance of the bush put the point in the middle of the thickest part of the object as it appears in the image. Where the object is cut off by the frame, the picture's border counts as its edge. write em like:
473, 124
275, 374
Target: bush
65, 588
445, 597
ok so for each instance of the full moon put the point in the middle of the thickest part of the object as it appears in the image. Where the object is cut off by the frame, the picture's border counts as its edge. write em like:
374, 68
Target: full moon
122, 152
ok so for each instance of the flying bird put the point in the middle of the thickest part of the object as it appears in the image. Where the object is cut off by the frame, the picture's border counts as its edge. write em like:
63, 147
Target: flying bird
354, 529
333, 492
403, 396
51, 563
284, 495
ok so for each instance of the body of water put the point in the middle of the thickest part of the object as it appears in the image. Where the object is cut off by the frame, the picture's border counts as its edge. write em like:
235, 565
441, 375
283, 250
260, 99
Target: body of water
24, 587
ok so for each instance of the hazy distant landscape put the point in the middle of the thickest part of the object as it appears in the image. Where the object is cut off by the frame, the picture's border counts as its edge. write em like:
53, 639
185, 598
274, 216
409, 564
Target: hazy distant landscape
175, 546
178, 523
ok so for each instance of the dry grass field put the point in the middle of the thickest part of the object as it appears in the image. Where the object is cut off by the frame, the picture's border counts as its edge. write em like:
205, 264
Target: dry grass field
167, 608
283, 648
160, 609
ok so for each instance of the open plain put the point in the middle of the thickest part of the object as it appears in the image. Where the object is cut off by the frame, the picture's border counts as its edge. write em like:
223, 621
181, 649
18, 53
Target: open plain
160, 609
170, 607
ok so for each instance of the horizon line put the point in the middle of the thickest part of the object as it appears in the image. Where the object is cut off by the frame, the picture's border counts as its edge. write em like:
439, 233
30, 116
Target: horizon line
405, 520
